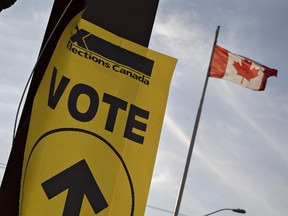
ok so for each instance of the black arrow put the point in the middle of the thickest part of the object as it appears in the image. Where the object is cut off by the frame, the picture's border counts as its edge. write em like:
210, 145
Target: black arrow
79, 181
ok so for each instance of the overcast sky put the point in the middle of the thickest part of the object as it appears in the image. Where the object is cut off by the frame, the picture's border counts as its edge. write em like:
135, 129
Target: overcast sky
240, 158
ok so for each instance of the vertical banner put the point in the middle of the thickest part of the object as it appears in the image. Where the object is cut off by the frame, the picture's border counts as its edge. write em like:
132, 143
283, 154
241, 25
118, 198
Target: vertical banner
127, 18
95, 126
89, 132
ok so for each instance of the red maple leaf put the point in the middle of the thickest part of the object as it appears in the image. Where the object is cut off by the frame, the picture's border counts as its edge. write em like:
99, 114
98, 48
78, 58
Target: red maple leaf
244, 69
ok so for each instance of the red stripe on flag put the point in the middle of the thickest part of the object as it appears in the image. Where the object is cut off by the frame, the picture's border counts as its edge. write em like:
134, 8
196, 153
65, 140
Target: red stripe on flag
219, 62
268, 72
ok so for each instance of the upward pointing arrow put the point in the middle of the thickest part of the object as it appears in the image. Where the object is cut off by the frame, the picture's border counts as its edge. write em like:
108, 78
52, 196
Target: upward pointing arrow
79, 181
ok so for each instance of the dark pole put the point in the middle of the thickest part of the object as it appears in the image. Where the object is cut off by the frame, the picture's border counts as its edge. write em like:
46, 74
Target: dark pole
4, 4
180, 194
241, 211
130, 19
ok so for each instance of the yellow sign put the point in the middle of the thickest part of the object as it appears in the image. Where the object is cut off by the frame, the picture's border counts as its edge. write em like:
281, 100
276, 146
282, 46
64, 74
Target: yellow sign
95, 126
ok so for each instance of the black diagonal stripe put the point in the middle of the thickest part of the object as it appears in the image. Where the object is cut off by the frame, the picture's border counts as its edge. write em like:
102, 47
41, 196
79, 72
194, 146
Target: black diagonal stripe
119, 54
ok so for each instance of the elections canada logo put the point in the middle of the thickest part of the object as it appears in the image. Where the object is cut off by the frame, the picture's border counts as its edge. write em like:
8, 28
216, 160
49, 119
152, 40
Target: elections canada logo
120, 60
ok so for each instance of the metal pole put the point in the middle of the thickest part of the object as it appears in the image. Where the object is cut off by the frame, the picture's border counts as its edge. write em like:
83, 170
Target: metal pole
241, 211
180, 194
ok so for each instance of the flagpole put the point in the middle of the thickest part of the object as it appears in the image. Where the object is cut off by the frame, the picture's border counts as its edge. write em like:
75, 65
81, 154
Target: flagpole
189, 155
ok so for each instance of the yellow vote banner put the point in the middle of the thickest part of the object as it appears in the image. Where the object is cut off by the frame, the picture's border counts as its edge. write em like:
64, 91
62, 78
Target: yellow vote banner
95, 126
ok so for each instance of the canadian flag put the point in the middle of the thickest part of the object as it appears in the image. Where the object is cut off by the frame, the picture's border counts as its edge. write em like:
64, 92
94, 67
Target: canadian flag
239, 69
